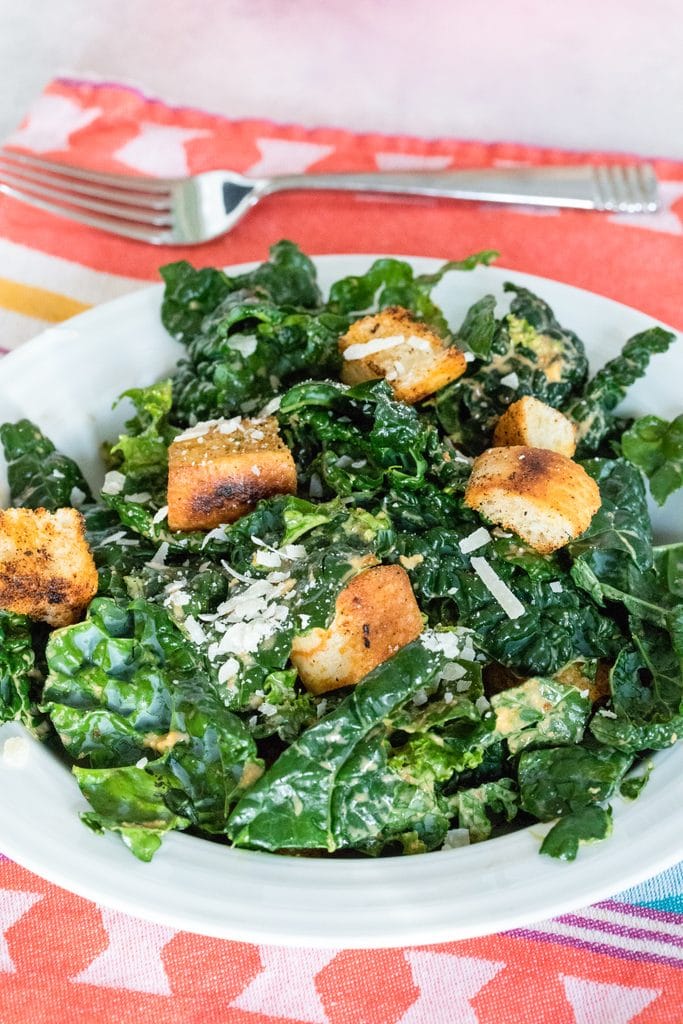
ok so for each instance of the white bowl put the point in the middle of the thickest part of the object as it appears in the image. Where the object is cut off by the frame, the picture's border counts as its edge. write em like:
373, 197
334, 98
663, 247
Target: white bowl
66, 381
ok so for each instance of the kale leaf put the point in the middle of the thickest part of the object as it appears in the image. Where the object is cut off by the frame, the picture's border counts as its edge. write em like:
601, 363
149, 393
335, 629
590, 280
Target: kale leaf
39, 476
584, 826
593, 410
336, 785
656, 447
17, 661
288, 278
391, 282
124, 685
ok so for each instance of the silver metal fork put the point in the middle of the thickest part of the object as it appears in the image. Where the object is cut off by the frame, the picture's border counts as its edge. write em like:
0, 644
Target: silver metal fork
189, 211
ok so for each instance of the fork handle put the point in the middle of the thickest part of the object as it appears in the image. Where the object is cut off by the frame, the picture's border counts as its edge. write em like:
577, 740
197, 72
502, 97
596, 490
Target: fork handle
580, 187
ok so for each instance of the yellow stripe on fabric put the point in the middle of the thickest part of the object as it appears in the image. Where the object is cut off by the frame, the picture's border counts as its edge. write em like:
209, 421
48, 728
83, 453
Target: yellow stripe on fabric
38, 302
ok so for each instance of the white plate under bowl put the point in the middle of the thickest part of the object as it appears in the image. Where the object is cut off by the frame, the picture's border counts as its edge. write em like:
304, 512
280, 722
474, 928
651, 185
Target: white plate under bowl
65, 381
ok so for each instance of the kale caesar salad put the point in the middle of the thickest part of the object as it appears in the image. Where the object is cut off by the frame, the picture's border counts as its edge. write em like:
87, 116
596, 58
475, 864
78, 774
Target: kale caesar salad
358, 581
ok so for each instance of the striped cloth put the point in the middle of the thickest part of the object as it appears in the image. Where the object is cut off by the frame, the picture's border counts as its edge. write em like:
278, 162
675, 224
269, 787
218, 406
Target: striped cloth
61, 957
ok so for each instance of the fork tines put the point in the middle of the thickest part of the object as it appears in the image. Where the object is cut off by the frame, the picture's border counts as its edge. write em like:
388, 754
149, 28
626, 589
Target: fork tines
124, 204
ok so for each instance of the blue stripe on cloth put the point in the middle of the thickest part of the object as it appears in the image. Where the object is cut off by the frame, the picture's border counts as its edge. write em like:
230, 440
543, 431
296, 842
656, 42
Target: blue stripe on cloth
663, 892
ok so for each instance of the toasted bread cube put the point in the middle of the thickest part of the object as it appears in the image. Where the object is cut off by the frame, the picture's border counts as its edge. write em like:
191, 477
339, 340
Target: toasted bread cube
217, 471
375, 615
46, 568
597, 684
536, 425
539, 494
498, 678
414, 360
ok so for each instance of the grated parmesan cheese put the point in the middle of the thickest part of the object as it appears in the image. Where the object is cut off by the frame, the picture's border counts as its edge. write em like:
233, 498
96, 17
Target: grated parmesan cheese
161, 514
475, 540
498, 589
556, 587
511, 380
113, 482
315, 488
194, 630
456, 838
77, 497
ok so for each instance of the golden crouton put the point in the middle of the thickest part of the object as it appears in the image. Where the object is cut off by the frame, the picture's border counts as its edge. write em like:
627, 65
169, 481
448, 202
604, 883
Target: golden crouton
537, 425
46, 568
375, 615
414, 360
541, 495
576, 674
217, 471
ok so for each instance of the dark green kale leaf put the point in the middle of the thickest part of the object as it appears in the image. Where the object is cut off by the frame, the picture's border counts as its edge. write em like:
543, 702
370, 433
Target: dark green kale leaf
587, 825
288, 278
360, 442
656, 447
125, 685
131, 803
38, 475
556, 626
391, 282
561, 780
647, 697
478, 329
141, 454
540, 713
621, 525
593, 410
479, 809
247, 352
525, 353
337, 786
17, 660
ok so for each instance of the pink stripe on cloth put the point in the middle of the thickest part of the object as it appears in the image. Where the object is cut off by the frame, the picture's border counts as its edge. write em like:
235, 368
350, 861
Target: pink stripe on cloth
637, 910
596, 947
614, 928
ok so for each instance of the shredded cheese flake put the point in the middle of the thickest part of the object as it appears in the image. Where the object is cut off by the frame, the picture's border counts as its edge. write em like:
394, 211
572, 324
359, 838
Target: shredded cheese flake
475, 540
498, 589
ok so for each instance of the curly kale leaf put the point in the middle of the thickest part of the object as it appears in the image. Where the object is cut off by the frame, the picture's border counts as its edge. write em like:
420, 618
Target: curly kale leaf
247, 352
588, 825
125, 685
338, 786
557, 625
17, 659
141, 454
593, 410
391, 282
525, 353
480, 808
561, 780
656, 447
38, 475
288, 278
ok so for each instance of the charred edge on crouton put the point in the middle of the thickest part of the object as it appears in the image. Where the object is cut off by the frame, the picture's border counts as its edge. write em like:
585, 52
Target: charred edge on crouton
543, 496
219, 477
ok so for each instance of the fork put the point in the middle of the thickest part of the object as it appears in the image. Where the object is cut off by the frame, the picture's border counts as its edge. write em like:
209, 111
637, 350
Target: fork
189, 211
